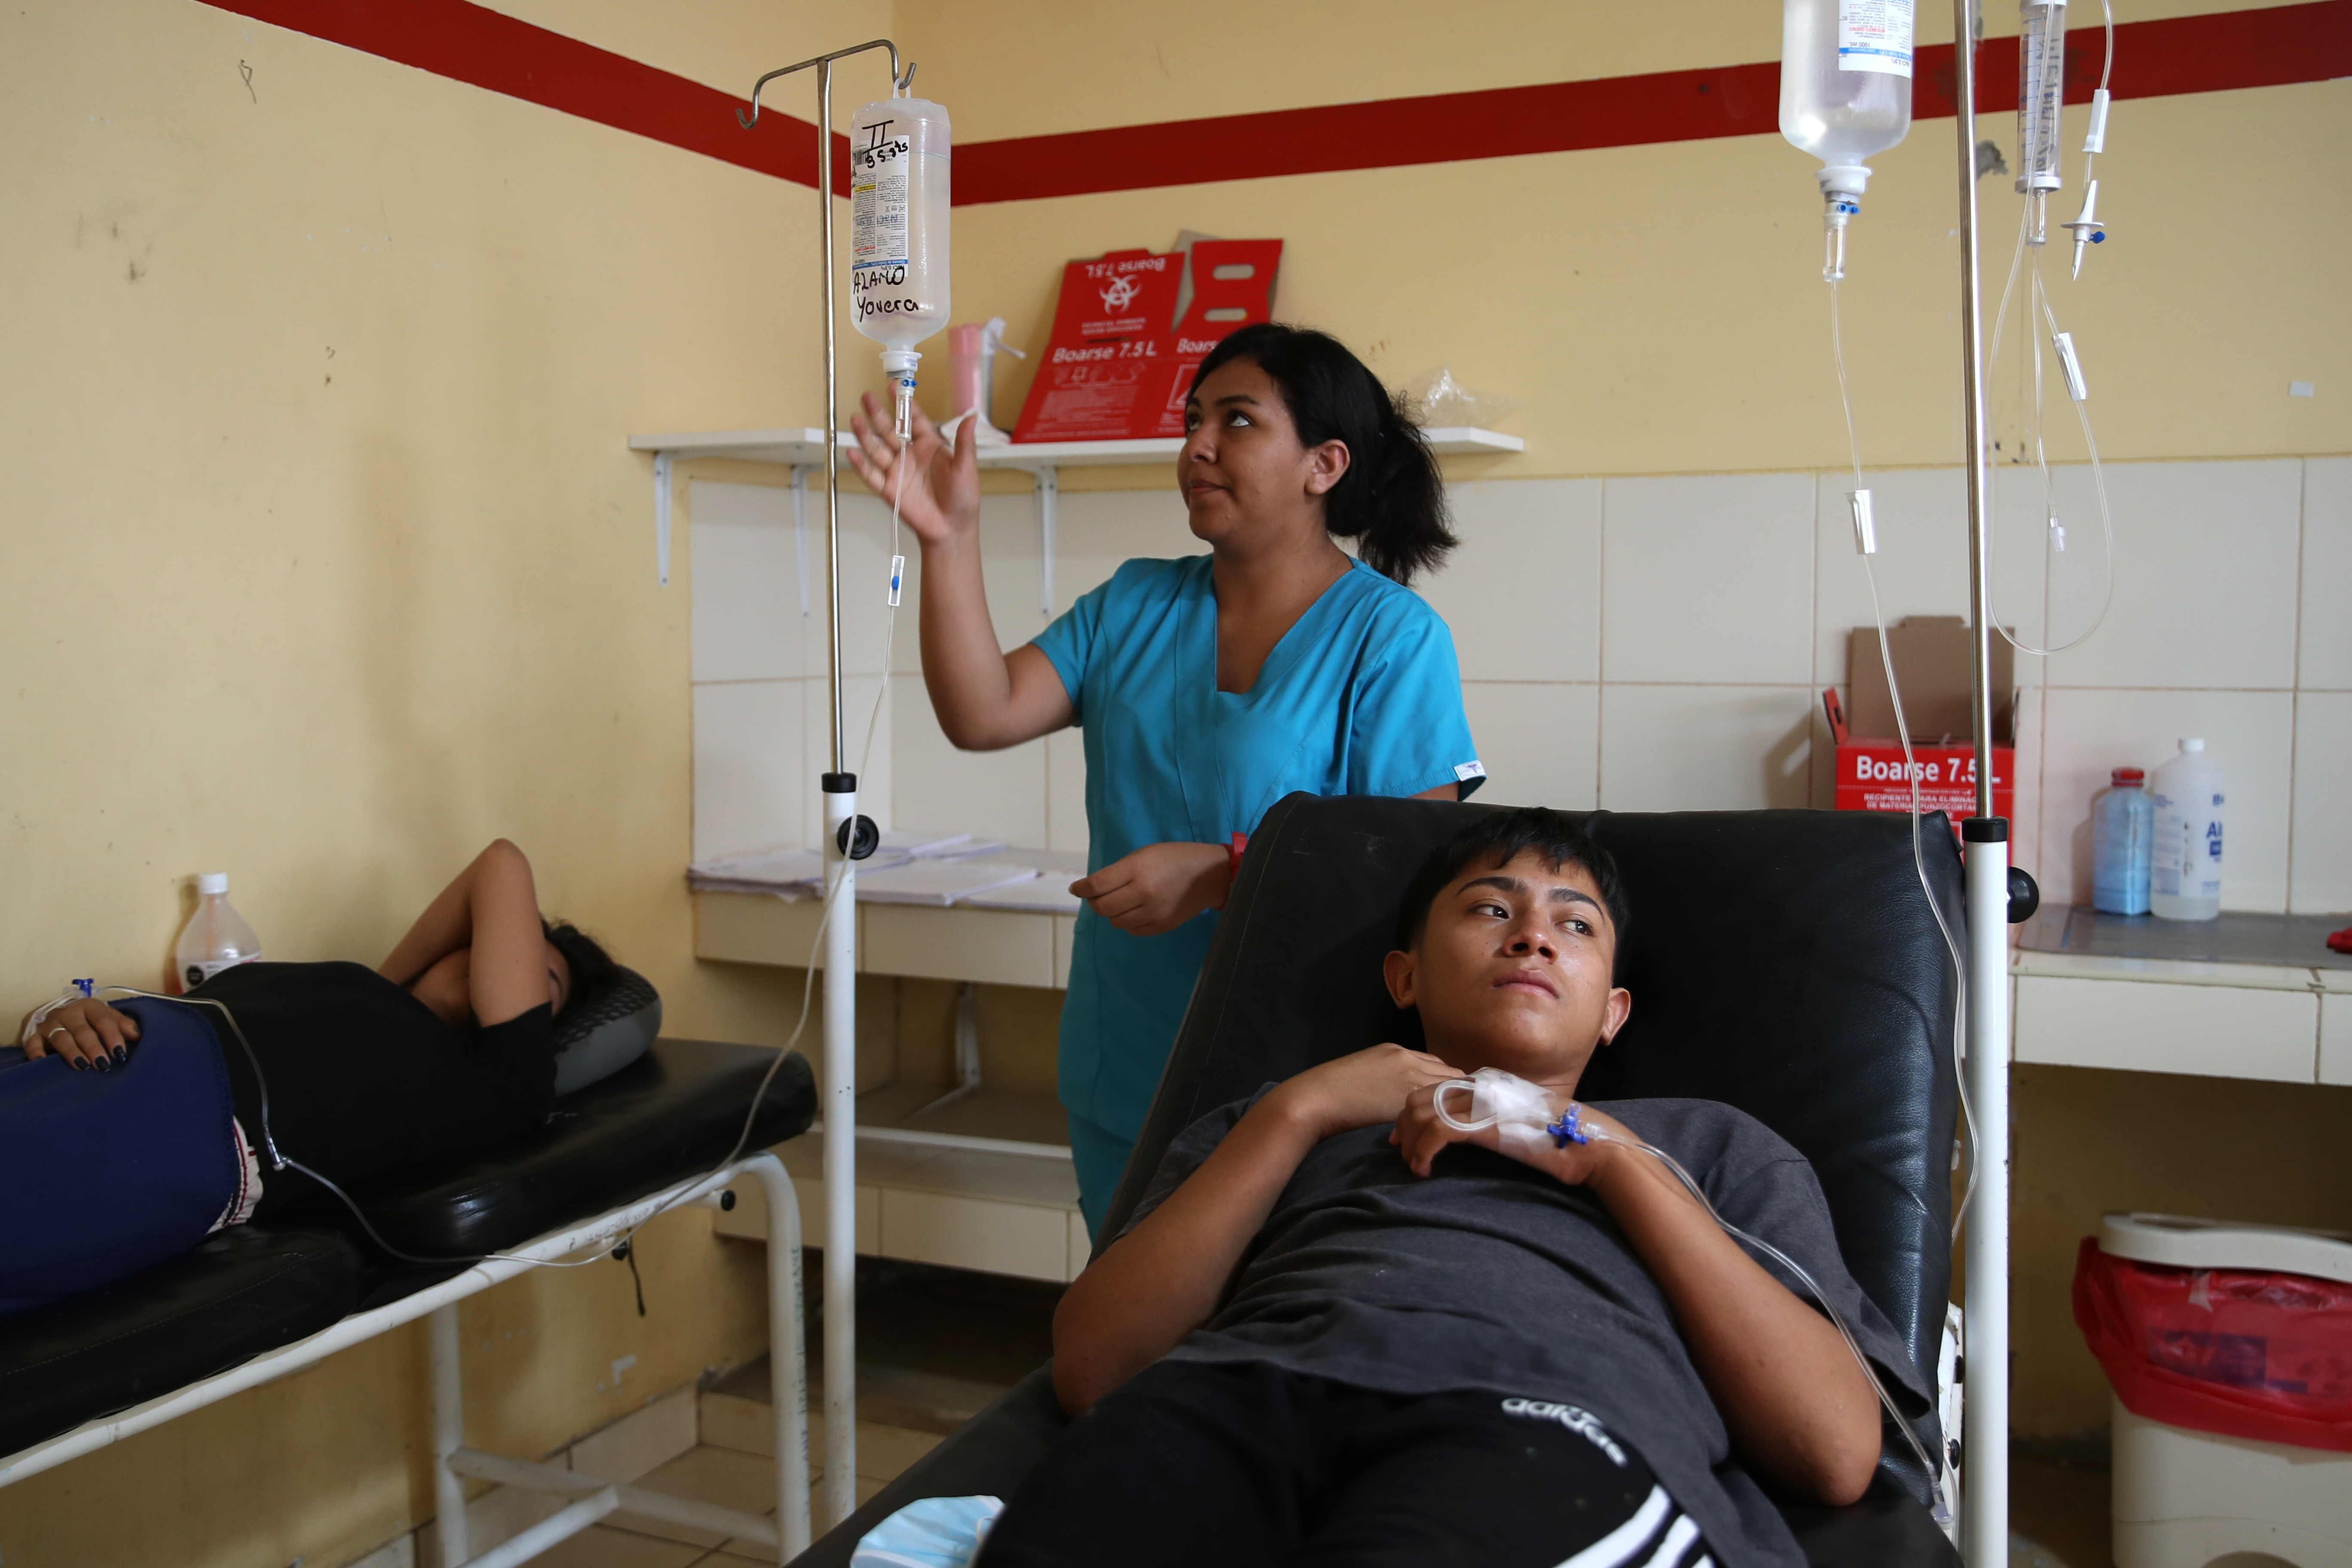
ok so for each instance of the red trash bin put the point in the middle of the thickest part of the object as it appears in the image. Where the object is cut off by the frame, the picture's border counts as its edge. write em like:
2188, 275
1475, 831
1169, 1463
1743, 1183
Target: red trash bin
2244, 1353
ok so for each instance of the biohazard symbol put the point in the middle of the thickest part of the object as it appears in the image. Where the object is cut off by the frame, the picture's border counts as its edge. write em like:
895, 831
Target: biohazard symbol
1120, 293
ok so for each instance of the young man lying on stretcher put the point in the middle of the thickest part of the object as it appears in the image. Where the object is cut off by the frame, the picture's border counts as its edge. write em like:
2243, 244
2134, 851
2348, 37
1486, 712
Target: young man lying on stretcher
1341, 1330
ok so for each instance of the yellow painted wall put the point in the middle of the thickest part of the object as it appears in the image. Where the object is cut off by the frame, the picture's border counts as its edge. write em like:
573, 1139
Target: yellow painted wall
1136, 63
1659, 309
325, 564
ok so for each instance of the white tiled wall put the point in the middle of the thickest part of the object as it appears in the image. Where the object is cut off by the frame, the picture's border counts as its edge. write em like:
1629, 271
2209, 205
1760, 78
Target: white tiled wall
1653, 643
762, 720
2327, 655
1707, 580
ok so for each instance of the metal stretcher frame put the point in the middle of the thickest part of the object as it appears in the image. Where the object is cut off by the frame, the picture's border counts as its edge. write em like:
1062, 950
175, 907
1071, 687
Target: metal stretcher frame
787, 1536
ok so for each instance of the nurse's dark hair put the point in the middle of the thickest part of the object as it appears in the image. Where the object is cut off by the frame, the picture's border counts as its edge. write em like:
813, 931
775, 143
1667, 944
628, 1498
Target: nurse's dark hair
586, 958
1391, 500
1495, 839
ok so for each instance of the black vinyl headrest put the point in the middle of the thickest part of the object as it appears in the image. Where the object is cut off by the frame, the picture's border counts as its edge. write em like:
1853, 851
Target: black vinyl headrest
609, 1025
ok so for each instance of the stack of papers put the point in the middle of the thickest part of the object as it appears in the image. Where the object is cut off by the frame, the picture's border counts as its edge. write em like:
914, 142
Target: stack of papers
1048, 892
940, 882
932, 868
800, 873
933, 846
1039, 895
789, 873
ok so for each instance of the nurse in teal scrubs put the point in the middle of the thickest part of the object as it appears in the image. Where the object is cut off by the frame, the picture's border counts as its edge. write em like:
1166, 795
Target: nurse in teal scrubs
1208, 687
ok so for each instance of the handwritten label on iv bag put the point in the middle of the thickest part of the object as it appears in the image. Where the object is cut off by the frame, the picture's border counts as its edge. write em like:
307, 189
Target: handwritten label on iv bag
1874, 36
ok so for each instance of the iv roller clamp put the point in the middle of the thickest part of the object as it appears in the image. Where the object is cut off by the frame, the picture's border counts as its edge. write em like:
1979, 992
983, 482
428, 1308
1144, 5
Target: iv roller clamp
850, 838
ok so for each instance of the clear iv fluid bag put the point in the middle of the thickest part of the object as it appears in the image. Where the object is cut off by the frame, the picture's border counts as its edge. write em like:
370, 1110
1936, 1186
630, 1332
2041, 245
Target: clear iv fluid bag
2041, 92
1845, 77
898, 155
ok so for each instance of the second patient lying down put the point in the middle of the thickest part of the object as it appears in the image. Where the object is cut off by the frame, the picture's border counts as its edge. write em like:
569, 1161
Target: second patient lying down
448, 1047
1341, 1330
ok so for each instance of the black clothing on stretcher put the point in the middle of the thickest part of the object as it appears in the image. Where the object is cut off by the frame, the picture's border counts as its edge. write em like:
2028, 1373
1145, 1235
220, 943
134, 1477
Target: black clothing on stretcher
1247, 1466
1491, 1275
363, 1077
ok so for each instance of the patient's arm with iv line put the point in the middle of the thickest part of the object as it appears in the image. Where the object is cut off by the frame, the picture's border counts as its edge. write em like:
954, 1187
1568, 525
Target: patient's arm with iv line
986, 699
1798, 1407
83, 1030
1164, 1278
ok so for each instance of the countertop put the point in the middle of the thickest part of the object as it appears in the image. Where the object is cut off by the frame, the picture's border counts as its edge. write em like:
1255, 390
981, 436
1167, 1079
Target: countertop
2237, 936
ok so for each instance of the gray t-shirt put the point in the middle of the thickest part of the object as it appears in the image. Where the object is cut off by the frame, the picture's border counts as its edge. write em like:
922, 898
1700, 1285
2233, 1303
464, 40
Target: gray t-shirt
1493, 1276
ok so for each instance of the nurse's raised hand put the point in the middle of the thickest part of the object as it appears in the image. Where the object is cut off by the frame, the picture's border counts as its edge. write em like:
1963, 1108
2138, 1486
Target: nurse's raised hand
935, 484
1160, 886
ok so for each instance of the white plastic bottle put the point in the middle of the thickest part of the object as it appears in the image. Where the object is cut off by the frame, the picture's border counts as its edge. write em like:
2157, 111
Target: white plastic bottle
2185, 860
215, 937
899, 157
1845, 94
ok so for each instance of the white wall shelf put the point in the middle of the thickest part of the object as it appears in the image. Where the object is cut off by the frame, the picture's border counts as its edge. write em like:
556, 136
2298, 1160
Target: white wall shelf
1043, 461
805, 447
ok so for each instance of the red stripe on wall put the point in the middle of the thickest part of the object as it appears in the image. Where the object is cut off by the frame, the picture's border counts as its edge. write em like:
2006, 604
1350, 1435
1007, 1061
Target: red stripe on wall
2212, 53
486, 48
2273, 46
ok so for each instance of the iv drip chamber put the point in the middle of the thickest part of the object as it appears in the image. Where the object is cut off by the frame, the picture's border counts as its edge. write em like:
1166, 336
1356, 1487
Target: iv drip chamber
898, 155
1845, 94
2041, 95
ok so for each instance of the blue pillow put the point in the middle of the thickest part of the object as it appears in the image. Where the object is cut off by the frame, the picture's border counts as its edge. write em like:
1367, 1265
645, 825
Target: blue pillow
105, 1173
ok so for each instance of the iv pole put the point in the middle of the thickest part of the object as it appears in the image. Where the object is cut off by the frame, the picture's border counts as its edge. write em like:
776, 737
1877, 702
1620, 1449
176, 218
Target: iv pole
1984, 1506
848, 840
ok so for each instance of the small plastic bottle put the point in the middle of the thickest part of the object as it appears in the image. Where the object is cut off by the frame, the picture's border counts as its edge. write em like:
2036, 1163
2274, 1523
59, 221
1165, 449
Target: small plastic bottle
2122, 823
2185, 859
215, 937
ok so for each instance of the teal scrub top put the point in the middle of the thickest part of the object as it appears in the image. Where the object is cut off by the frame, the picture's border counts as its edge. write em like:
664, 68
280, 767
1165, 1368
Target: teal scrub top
1363, 696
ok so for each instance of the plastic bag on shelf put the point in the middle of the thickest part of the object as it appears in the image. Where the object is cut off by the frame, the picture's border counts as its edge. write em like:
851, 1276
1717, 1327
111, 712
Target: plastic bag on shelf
1435, 398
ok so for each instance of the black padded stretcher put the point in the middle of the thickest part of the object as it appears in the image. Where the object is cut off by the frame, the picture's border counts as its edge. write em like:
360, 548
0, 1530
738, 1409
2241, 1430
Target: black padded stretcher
252, 1289
1783, 962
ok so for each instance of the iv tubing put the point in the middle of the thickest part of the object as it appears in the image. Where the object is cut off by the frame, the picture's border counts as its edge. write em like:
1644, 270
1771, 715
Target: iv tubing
1911, 773
2038, 299
1837, 1320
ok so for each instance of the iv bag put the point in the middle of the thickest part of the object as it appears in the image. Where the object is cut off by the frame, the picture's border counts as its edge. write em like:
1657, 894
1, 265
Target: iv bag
1845, 77
899, 151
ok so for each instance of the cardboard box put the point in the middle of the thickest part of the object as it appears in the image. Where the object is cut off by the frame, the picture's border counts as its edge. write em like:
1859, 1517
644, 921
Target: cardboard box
1933, 658
1119, 361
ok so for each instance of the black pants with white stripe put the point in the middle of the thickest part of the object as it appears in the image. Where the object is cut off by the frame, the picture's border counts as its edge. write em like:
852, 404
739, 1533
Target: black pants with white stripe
1235, 1465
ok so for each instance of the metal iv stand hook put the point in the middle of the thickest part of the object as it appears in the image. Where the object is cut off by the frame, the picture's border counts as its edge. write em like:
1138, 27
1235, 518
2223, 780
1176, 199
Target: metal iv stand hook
902, 79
